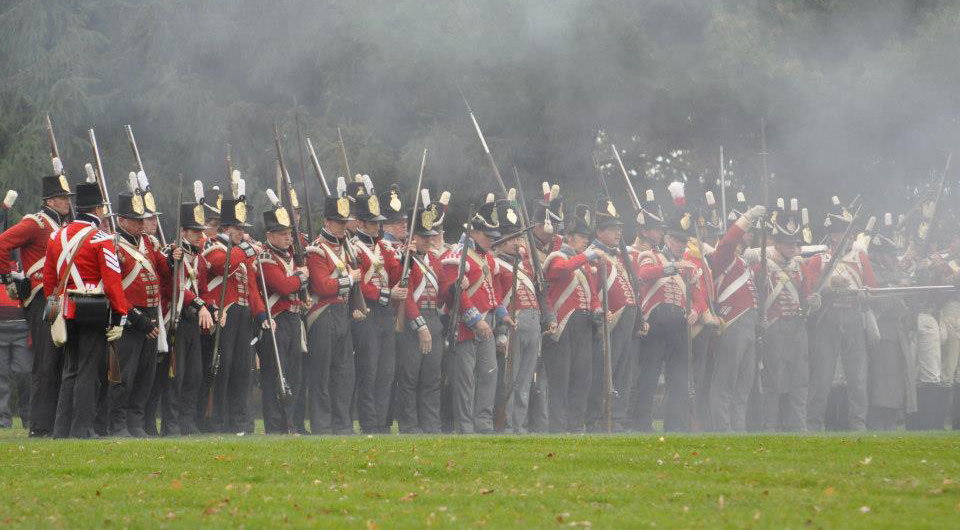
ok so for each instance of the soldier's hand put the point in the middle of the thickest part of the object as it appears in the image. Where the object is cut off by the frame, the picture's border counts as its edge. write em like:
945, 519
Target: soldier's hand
205, 319
304, 270
177, 254
355, 275
687, 265
426, 340
693, 317
643, 330
268, 324
551, 329
223, 318
508, 321
153, 333
464, 284
114, 332
838, 283
398, 293
483, 331
11, 291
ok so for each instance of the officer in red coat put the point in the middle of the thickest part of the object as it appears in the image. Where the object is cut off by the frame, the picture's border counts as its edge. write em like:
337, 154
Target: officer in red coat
87, 284
243, 312
284, 281
30, 236
331, 370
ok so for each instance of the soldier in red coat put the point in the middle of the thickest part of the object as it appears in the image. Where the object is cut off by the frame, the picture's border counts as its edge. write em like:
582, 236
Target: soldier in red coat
82, 271
330, 370
568, 350
622, 318
182, 393
30, 236
243, 312
141, 270
474, 367
284, 282
420, 345
374, 338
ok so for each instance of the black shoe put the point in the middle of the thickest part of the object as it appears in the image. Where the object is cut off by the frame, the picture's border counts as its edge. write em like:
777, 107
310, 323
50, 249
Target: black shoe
39, 434
121, 433
189, 430
171, 430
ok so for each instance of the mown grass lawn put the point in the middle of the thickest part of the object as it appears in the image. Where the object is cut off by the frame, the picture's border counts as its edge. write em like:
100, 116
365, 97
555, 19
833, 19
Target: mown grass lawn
864, 481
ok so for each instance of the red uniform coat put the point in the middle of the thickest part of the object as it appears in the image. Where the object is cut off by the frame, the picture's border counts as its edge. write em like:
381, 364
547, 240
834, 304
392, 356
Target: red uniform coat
31, 236
241, 282
484, 293
855, 267
141, 268
571, 286
283, 280
329, 276
380, 269
656, 288
736, 292
427, 274
95, 264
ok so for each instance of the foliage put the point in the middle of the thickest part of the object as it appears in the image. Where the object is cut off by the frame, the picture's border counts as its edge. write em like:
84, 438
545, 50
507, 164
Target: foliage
856, 94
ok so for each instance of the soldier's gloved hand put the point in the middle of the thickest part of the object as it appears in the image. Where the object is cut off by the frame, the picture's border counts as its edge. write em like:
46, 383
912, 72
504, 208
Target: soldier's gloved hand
23, 287
755, 213
136, 319
6, 278
425, 339
592, 254
814, 302
114, 333
12, 291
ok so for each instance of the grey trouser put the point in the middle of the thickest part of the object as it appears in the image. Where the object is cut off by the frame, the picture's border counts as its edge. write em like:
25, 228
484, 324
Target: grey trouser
838, 335
623, 358
330, 372
569, 362
417, 403
538, 419
15, 363
137, 355
664, 348
278, 416
232, 383
374, 339
47, 369
702, 369
950, 355
474, 384
785, 376
525, 349
733, 371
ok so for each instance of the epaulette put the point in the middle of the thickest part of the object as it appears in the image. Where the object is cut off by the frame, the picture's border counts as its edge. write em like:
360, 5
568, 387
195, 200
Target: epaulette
210, 242
247, 249
35, 218
154, 242
267, 257
100, 237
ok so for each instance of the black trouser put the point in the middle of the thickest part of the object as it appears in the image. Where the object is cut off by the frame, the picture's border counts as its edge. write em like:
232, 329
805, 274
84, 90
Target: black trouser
622, 362
206, 382
84, 374
331, 372
417, 404
47, 369
374, 339
569, 364
232, 382
665, 348
279, 419
181, 394
127, 399
702, 366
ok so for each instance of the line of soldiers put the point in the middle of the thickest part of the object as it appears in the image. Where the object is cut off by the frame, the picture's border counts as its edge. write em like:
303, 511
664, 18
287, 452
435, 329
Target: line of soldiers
578, 333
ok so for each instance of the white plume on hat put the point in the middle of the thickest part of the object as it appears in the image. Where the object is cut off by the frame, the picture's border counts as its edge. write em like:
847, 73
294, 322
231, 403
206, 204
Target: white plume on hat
711, 201
649, 196
425, 197
91, 174
142, 180
888, 219
198, 191
512, 194
341, 186
368, 184
132, 182
274, 200
57, 166
677, 192
241, 189
545, 186
490, 198
445, 198
794, 205
10, 198
554, 192
804, 217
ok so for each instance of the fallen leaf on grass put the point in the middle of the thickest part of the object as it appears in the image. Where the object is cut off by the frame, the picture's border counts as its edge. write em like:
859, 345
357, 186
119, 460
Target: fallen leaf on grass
170, 515
408, 497
864, 509
866, 461
756, 516
175, 484
485, 491
562, 516
372, 525
829, 492
551, 455
720, 502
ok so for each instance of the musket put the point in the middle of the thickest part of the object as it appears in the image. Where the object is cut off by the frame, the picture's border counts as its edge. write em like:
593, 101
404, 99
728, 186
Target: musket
761, 285
283, 389
343, 156
299, 255
221, 314
889, 292
483, 142
539, 283
55, 156
317, 168
101, 180
508, 380
136, 155
229, 162
623, 170
177, 269
723, 191
453, 327
405, 275
937, 209
608, 390
303, 180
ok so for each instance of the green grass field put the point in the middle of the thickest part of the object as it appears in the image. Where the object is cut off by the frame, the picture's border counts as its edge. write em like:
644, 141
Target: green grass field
904, 480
